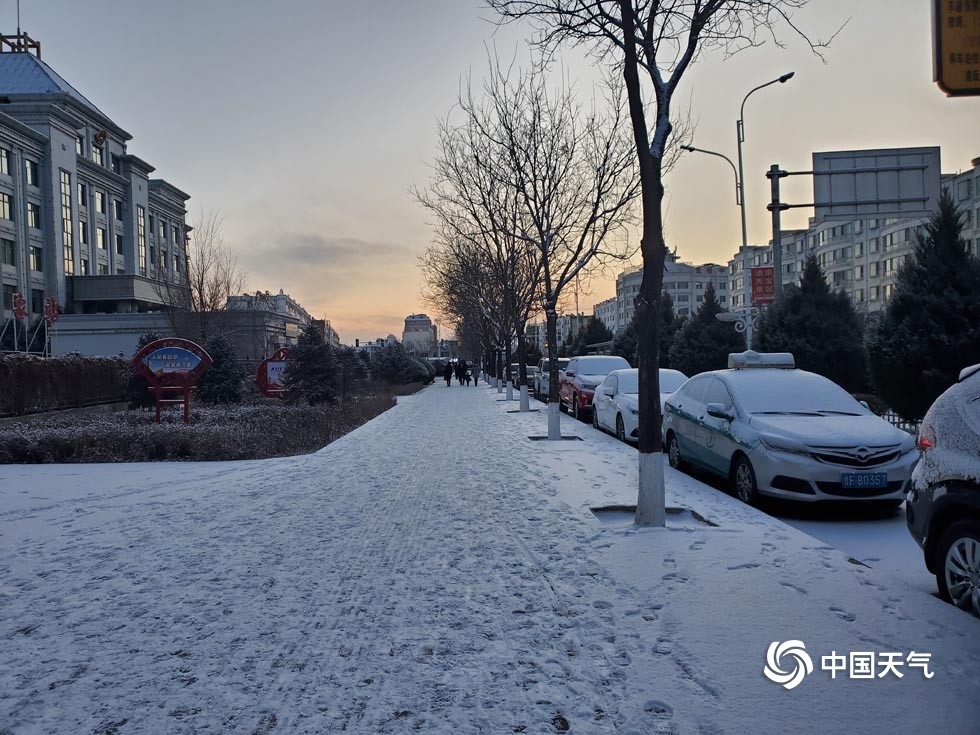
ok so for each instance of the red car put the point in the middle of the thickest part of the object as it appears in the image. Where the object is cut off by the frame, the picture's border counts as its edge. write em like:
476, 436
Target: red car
582, 377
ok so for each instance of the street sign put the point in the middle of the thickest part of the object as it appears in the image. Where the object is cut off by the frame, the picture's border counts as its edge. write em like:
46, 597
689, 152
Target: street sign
20, 304
172, 367
956, 46
269, 376
763, 280
876, 183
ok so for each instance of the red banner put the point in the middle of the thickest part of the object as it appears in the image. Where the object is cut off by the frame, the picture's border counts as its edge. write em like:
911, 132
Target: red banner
763, 285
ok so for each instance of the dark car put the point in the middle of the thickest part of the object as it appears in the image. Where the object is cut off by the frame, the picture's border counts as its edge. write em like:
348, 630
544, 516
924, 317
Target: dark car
943, 505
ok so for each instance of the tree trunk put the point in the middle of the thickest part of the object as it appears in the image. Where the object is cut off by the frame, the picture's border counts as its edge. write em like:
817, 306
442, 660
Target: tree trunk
508, 356
554, 413
651, 499
522, 370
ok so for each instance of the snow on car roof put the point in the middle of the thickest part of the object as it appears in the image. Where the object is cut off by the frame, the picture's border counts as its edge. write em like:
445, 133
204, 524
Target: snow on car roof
778, 390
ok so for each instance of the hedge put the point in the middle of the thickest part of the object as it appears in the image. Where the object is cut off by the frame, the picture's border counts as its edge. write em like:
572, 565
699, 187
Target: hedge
31, 383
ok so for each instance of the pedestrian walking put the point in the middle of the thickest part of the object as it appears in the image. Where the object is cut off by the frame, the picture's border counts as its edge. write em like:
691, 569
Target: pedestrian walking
467, 378
460, 370
448, 374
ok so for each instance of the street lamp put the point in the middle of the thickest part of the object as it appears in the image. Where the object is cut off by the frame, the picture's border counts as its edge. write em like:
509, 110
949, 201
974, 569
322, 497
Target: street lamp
743, 322
740, 137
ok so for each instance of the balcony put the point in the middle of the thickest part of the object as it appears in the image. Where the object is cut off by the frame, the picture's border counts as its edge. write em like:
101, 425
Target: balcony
116, 288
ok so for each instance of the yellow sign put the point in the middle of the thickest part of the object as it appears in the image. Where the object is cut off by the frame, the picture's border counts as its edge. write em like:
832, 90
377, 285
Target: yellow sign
956, 45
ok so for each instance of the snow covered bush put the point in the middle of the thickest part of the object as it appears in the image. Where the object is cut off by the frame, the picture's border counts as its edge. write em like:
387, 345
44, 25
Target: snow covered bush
222, 382
269, 429
32, 383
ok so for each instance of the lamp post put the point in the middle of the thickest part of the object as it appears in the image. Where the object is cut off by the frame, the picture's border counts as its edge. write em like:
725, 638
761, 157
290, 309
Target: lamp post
740, 137
745, 321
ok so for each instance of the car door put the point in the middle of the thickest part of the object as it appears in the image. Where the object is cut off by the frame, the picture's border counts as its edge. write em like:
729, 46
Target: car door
686, 410
603, 405
714, 435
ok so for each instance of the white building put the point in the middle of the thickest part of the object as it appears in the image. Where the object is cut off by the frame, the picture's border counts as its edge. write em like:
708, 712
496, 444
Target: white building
608, 313
420, 336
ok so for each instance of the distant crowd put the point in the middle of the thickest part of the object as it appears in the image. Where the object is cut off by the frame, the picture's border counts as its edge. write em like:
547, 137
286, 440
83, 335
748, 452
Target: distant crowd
462, 373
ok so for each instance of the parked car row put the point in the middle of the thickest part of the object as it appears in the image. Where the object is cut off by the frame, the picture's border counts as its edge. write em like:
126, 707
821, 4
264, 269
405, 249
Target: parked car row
771, 429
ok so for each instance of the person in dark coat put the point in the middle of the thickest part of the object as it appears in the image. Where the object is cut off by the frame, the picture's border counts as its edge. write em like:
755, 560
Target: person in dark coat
461, 371
448, 374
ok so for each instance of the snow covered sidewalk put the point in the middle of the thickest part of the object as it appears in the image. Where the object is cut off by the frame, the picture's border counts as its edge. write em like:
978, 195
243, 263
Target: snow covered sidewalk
435, 571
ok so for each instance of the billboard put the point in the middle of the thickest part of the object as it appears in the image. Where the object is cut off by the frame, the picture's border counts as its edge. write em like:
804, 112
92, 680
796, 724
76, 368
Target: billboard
877, 183
271, 373
763, 283
956, 46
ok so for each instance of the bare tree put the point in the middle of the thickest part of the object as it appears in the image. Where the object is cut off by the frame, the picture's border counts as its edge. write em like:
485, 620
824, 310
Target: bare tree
473, 198
659, 39
194, 302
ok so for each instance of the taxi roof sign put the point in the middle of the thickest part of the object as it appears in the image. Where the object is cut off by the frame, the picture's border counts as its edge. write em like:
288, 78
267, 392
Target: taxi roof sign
753, 359
956, 46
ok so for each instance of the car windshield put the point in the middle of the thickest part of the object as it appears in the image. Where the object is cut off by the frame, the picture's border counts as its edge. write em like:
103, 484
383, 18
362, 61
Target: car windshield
671, 380
562, 363
601, 365
791, 393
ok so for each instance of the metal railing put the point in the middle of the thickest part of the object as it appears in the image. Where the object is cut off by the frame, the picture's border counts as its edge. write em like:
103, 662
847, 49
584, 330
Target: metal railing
912, 427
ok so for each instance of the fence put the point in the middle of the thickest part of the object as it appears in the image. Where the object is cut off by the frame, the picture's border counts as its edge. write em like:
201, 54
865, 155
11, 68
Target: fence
912, 427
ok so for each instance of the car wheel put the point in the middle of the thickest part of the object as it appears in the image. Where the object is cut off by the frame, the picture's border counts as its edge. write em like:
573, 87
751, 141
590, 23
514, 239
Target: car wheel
575, 413
743, 477
959, 566
595, 420
674, 453
620, 428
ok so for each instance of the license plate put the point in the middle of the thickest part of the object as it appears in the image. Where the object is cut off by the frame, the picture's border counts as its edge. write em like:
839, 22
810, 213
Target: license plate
853, 480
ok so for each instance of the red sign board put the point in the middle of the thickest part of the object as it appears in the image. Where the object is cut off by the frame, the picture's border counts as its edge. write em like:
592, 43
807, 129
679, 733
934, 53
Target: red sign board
20, 306
172, 367
269, 376
763, 285
51, 308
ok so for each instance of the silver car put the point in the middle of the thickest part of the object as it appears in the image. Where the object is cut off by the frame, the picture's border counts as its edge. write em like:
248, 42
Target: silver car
773, 430
542, 378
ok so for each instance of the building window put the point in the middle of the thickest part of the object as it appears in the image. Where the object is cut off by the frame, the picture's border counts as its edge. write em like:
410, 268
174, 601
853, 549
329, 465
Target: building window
163, 231
67, 243
34, 214
82, 195
873, 245
153, 255
875, 269
37, 258
80, 145
84, 268
163, 259
6, 208
858, 272
103, 269
4, 161
100, 238
859, 295
177, 263
30, 169
37, 300
83, 232
874, 291
141, 238
117, 207
8, 252
8, 296
964, 190
116, 164
858, 250
97, 156
119, 245
100, 200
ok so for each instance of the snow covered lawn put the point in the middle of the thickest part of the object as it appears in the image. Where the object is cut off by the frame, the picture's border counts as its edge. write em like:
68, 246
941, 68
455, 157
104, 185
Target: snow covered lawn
436, 571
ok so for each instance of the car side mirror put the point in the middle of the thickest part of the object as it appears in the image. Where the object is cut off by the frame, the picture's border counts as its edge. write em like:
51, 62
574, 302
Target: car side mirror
609, 391
718, 411
865, 404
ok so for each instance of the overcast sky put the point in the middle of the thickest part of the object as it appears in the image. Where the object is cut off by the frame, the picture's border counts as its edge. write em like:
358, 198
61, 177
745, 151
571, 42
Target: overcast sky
306, 122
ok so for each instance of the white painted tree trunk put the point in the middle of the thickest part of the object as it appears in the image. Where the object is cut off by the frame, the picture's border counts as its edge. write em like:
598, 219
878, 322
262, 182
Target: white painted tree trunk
554, 422
510, 390
651, 501
525, 401
500, 386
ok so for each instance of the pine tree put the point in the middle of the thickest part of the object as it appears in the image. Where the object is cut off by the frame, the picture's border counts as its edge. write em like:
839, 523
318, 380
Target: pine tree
704, 343
819, 326
931, 326
222, 382
592, 332
625, 342
311, 370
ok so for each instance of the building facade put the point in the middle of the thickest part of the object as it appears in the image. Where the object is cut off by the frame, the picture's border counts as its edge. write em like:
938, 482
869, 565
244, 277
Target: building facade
420, 335
294, 317
81, 221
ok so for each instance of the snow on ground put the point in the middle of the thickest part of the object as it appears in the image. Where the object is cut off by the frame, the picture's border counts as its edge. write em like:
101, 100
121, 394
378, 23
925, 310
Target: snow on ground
436, 571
